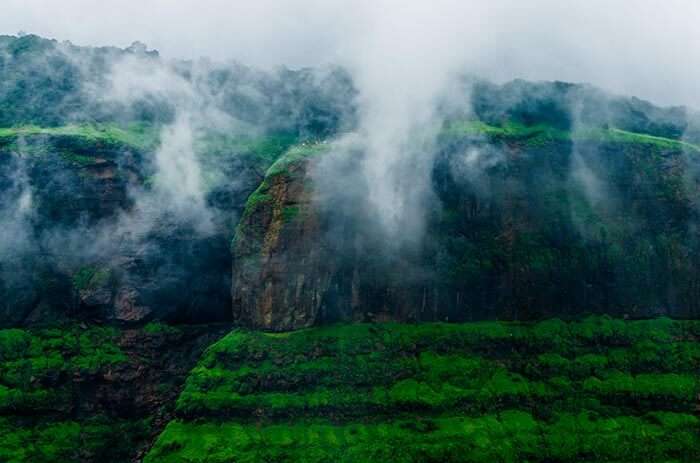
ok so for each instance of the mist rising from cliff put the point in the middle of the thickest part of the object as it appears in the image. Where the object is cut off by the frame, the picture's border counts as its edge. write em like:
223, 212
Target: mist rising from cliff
402, 68
407, 58
648, 53
15, 210
402, 57
178, 184
405, 61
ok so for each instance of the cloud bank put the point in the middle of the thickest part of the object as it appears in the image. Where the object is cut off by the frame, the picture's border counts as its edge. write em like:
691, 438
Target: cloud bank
405, 59
646, 48
403, 56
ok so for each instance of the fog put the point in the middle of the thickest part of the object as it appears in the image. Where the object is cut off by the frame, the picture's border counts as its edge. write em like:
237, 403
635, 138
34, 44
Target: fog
645, 48
405, 60
402, 56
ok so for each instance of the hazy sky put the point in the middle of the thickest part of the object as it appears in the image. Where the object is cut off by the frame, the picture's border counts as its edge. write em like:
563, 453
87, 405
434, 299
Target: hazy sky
646, 48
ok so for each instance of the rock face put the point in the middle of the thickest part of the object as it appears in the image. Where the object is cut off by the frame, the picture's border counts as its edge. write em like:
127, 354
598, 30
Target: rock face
54, 187
546, 199
78, 157
281, 270
553, 224
81, 243
524, 222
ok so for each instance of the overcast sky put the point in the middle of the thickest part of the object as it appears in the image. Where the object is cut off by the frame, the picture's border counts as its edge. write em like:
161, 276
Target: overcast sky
647, 48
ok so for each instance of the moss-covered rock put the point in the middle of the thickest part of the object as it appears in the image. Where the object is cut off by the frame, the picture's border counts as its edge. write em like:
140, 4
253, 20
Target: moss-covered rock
271, 250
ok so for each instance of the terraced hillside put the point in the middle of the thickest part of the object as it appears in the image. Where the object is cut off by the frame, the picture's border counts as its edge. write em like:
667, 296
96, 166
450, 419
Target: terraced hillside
596, 390
76, 393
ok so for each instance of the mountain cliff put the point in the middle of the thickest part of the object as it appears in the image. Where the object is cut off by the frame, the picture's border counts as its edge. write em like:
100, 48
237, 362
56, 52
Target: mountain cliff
198, 264
545, 199
526, 222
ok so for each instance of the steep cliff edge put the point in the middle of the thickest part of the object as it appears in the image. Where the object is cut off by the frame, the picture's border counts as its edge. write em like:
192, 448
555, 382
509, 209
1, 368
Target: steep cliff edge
57, 184
528, 221
123, 175
281, 270
87, 237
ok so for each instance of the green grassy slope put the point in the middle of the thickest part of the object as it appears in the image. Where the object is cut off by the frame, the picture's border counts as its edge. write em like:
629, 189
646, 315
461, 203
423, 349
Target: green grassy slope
144, 137
264, 149
595, 390
81, 393
40, 376
538, 134
280, 152
31, 362
267, 149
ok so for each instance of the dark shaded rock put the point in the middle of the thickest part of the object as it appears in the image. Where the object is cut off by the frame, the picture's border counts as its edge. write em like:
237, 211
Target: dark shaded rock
527, 237
281, 269
79, 245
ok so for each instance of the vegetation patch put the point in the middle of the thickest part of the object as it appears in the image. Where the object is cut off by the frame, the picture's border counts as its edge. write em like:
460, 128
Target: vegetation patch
160, 328
90, 277
289, 213
598, 389
539, 134
508, 436
96, 439
296, 154
75, 392
140, 136
32, 361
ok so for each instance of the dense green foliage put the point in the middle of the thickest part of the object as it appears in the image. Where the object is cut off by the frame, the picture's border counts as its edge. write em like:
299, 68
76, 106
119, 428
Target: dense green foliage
537, 135
596, 390
297, 153
35, 364
564, 105
48, 83
96, 439
263, 149
511, 436
140, 136
38, 422
86, 393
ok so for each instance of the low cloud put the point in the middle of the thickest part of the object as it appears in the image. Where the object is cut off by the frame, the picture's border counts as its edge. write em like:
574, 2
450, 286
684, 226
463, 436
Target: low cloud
645, 49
